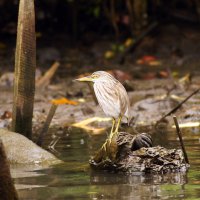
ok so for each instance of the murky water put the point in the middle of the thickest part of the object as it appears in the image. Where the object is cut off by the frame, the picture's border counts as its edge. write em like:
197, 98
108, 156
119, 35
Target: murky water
74, 179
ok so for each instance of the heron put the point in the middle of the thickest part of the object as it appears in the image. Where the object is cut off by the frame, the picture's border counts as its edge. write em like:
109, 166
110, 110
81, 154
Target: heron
111, 96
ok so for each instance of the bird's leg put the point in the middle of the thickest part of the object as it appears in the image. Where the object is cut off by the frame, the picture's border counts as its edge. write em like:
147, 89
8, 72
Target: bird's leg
118, 124
112, 140
110, 136
113, 125
112, 129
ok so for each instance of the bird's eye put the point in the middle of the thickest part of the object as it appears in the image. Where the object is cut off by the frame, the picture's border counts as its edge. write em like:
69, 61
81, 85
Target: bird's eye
95, 76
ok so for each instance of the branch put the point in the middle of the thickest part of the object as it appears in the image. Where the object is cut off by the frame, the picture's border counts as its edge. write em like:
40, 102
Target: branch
47, 124
179, 133
137, 41
179, 105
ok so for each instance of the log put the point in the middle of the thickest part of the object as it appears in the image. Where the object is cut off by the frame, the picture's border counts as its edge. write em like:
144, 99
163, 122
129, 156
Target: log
136, 154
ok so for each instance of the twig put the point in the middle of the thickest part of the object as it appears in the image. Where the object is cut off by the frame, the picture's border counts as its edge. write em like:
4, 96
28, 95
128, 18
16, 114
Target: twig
178, 106
44, 81
179, 133
52, 144
137, 41
47, 124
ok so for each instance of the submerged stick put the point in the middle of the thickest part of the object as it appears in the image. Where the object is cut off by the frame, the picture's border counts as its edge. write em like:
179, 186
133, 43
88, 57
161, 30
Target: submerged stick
179, 133
47, 124
179, 105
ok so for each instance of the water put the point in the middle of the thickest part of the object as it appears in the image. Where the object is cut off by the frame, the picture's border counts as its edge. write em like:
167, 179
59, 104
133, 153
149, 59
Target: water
75, 180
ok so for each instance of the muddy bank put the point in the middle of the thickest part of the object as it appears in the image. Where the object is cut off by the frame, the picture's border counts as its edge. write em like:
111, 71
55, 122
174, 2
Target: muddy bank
150, 100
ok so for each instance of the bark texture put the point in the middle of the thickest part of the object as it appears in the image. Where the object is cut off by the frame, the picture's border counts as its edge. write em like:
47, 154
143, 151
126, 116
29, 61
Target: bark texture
25, 64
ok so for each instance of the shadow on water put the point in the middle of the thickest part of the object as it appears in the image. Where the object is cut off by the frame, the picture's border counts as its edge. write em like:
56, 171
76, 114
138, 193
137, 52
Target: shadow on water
75, 180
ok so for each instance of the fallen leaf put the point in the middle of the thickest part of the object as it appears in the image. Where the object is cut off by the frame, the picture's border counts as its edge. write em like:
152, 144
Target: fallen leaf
6, 115
154, 63
109, 54
63, 101
149, 60
163, 74
128, 42
140, 62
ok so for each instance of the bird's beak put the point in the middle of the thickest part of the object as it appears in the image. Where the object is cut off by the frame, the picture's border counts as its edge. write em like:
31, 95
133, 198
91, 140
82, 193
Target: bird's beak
84, 79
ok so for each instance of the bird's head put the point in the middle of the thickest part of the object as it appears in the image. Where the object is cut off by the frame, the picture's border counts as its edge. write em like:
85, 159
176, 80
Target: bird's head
96, 76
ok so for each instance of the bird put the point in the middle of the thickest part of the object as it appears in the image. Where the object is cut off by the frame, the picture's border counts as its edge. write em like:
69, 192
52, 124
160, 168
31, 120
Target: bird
111, 96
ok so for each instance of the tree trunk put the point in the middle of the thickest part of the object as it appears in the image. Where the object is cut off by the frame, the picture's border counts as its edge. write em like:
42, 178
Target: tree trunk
25, 63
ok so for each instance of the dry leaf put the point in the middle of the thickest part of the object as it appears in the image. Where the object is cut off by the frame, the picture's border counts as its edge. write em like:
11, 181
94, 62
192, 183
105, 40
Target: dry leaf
109, 54
148, 60
128, 42
6, 115
63, 101
154, 63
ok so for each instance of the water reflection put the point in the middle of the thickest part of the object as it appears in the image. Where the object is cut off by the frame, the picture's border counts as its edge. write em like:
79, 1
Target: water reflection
75, 180
136, 186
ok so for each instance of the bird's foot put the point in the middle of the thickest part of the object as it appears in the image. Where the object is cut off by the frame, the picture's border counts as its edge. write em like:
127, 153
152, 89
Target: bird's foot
104, 146
113, 135
112, 146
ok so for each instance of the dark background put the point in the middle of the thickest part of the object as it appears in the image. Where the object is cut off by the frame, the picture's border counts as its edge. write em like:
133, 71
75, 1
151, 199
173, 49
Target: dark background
78, 33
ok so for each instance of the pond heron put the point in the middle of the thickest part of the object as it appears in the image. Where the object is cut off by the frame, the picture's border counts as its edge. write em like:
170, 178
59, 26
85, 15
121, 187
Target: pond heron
111, 96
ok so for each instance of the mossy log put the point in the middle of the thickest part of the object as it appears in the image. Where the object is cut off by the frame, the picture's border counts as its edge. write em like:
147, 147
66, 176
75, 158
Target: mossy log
129, 154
